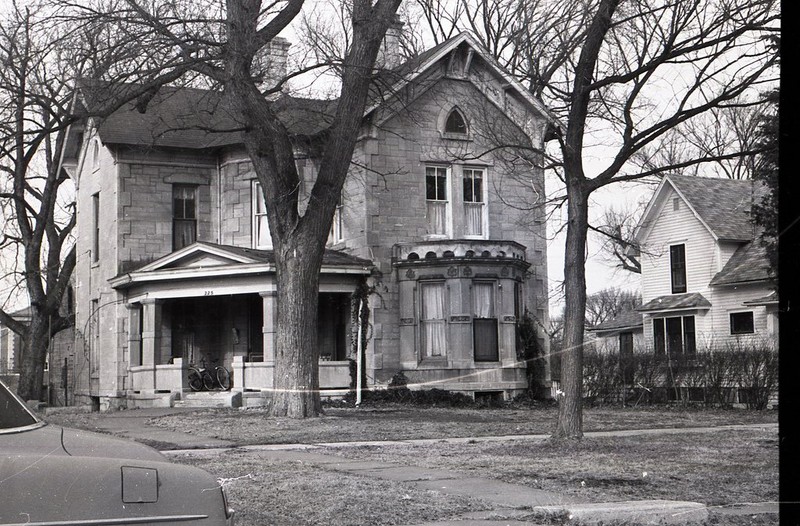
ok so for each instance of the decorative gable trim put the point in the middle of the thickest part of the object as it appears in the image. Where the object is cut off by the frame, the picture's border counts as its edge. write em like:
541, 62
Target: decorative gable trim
193, 253
449, 47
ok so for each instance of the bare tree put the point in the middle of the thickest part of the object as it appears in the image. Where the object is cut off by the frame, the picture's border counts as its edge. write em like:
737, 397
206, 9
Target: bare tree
222, 44
41, 60
624, 75
606, 304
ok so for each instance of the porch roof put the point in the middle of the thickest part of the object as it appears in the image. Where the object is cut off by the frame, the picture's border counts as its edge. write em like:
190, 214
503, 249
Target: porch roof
690, 300
210, 260
629, 320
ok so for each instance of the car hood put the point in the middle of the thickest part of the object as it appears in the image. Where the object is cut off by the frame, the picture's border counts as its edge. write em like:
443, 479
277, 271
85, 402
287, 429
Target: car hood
48, 440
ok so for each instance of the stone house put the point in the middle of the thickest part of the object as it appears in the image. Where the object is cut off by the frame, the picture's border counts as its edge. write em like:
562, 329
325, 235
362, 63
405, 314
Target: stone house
445, 228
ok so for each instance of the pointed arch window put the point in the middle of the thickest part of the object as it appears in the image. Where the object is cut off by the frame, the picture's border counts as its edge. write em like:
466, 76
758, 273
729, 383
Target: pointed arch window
455, 123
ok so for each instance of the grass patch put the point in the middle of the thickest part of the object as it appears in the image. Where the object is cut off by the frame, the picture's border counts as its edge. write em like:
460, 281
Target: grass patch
264, 491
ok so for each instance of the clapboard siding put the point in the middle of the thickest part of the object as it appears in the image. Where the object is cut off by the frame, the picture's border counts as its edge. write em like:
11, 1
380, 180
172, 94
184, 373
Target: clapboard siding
674, 227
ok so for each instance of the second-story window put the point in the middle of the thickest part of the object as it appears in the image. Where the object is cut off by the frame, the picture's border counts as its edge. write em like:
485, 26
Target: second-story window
474, 202
261, 236
437, 202
184, 216
96, 227
677, 265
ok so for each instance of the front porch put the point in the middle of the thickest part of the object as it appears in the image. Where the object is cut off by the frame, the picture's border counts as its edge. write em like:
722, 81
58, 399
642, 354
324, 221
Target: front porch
178, 320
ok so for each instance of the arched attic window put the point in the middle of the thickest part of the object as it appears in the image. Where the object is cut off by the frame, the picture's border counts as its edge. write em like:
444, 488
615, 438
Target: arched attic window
455, 123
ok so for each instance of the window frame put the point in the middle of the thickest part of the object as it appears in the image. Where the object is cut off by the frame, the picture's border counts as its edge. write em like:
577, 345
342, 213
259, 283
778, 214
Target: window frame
192, 189
446, 187
95, 227
751, 321
455, 133
256, 197
423, 319
688, 336
677, 268
484, 206
492, 356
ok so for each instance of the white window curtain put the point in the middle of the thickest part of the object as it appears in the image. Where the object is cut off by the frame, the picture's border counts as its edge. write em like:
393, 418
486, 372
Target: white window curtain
473, 215
433, 319
483, 297
473, 201
436, 182
261, 236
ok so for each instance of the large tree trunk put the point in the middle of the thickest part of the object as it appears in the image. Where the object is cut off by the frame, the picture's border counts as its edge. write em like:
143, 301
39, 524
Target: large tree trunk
570, 408
296, 383
35, 343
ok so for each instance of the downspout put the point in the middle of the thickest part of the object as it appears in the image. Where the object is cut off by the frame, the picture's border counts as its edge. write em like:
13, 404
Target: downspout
219, 201
360, 351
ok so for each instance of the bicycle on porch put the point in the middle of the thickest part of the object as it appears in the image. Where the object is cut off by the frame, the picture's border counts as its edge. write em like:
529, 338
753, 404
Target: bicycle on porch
209, 378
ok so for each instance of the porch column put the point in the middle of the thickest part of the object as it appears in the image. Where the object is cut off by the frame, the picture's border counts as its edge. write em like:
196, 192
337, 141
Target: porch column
134, 334
151, 337
270, 316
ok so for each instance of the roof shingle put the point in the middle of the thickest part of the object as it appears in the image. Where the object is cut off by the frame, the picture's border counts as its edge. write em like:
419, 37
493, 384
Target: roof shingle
690, 300
723, 204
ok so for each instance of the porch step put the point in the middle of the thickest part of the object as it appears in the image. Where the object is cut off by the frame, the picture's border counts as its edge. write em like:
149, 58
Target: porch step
210, 399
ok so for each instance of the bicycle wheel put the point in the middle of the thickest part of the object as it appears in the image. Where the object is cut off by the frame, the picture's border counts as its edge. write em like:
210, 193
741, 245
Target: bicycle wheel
223, 378
195, 380
208, 380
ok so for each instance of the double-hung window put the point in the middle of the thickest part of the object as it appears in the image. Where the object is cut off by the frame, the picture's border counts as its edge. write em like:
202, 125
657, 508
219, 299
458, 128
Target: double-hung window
96, 227
674, 336
484, 323
474, 202
184, 216
261, 236
677, 265
436, 182
432, 319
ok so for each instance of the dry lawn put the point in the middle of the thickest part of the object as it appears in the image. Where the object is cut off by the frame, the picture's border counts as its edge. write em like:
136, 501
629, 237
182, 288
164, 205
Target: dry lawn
721, 468
400, 422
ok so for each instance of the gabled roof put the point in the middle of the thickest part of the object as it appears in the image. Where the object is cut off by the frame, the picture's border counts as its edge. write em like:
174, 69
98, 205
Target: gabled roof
414, 67
690, 300
721, 205
749, 263
181, 117
204, 260
199, 119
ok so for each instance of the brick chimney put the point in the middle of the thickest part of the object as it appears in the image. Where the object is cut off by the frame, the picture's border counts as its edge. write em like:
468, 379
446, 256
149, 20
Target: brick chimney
391, 54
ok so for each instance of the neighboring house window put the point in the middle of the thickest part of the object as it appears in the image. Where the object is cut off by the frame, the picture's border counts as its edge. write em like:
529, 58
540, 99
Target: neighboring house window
677, 265
742, 323
484, 323
261, 235
436, 179
432, 319
96, 227
474, 202
455, 123
674, 335
184, 216
626, 363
